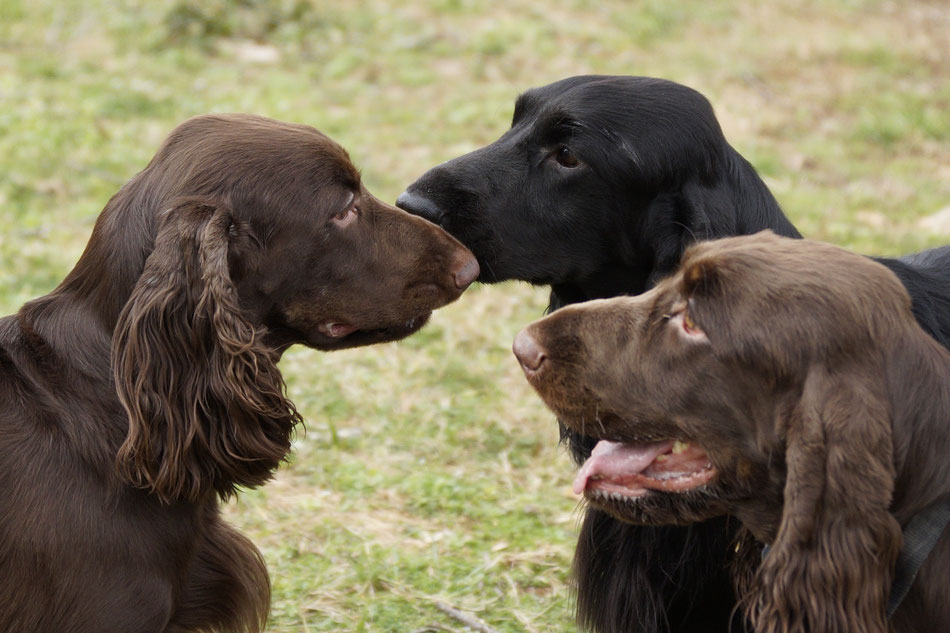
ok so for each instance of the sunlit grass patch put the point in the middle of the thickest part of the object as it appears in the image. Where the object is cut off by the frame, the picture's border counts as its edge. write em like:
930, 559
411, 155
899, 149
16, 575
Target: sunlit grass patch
428, 470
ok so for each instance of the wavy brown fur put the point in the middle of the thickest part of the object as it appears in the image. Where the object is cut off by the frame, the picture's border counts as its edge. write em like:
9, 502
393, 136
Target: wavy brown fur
205, 399
145, 388
815, 395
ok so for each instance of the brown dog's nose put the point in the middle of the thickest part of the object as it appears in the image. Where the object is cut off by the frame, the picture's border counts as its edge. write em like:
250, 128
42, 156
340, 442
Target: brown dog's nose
468, 273
528, 351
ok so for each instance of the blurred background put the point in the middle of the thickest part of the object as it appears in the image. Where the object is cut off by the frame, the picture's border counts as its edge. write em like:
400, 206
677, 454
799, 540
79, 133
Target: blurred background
428, 470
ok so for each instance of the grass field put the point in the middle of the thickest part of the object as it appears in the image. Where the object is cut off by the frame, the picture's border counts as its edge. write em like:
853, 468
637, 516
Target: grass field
428, 470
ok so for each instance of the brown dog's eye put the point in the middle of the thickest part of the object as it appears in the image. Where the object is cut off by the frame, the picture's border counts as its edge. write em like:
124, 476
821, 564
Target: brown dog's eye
347, 215
689, 325
685, 325
566, 158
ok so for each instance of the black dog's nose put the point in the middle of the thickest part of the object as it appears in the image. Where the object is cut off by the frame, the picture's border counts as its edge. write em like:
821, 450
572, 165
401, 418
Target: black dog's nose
528, 351
421, 206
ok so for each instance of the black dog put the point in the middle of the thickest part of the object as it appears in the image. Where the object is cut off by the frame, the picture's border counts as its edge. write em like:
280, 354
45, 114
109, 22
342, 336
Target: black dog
596, 190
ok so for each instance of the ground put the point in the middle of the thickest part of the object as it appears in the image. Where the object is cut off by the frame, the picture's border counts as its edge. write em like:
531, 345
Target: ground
428, 470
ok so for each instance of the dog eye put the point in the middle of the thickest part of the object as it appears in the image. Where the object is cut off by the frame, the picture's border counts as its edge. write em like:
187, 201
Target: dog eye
684, 323
566, 158
689, 326
347, 215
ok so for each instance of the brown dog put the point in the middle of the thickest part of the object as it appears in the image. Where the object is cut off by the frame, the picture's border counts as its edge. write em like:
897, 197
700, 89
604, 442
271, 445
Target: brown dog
145, 387
785, 383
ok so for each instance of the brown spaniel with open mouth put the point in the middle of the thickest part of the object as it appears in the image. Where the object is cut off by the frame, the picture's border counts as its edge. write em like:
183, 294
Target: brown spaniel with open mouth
784, 383
145, 387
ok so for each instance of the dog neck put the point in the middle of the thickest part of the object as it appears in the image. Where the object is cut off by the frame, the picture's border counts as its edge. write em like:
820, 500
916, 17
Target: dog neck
918, 378
609, 284
65, 333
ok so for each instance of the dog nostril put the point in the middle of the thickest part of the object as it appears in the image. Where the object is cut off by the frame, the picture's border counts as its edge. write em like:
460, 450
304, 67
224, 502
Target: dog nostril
528, 351
421, 206
465, 275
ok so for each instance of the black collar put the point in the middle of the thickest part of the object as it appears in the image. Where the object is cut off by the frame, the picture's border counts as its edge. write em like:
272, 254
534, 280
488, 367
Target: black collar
920, 537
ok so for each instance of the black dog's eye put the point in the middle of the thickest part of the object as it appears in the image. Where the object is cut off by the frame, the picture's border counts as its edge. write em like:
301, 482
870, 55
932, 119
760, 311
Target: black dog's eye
566, 158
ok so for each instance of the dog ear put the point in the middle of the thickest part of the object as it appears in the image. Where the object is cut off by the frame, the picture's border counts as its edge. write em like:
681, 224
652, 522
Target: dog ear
204, 397
674, 221
701, 278
831, 565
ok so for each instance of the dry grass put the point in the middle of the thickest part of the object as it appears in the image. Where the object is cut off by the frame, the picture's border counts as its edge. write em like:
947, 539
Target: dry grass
429, 471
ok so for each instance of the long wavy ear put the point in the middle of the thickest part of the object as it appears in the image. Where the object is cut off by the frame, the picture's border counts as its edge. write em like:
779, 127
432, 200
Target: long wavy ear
831, 565
205, 399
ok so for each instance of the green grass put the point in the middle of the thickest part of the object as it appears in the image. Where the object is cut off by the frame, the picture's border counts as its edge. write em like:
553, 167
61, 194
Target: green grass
428, 470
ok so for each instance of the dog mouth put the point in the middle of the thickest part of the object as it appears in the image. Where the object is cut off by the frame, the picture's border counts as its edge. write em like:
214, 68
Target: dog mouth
343, 334
336, 330
625, 471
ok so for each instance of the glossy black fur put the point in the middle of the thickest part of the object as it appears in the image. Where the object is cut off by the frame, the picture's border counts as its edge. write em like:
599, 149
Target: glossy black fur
654, 173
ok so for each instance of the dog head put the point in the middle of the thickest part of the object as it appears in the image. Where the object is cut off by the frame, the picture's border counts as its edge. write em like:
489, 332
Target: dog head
600, 182
243, 236
753, 382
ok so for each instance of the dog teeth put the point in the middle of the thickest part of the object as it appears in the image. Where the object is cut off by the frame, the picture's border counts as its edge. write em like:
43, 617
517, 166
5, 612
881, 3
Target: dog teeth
613, 496
679, 447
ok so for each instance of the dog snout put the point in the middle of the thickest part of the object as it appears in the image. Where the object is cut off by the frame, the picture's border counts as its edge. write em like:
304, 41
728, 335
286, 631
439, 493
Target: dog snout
465, 271
528, 351
418, 204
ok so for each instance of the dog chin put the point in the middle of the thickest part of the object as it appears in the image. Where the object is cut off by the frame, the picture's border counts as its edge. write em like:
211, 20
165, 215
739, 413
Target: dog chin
655, 507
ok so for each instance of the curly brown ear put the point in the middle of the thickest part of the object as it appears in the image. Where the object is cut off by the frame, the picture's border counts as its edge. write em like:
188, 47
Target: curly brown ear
831, 566
205, 399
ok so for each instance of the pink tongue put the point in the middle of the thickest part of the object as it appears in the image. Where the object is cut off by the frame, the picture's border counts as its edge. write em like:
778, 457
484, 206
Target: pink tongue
613, 460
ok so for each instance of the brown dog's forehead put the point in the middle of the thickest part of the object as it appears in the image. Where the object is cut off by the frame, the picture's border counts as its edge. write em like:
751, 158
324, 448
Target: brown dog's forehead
783, 298
255, 163
768, 260
251, 138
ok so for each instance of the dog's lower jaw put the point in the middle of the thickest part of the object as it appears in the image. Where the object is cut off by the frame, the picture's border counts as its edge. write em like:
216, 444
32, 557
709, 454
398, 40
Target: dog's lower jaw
658, 508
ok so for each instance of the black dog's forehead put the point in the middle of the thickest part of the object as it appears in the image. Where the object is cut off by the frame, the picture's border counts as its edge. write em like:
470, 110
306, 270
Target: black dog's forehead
612, 96
665, 128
